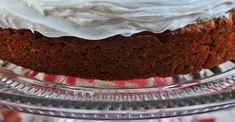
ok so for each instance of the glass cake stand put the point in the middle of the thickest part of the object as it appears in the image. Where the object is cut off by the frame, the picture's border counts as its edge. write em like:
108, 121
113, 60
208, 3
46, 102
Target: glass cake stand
33, 92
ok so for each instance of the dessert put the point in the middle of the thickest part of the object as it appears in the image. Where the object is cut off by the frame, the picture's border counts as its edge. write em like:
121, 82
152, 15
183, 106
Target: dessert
117, 40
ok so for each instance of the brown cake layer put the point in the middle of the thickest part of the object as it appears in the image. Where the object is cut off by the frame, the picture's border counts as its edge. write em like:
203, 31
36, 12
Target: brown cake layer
143, 55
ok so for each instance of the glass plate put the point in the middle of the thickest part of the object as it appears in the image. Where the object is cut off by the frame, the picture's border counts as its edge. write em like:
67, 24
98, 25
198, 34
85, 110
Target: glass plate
28, 91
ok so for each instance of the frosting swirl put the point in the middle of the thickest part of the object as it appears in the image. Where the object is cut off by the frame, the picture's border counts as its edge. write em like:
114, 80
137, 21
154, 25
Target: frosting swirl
99, 19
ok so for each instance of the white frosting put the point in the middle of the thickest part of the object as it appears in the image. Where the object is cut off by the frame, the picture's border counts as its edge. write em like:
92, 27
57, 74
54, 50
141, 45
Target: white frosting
99, 19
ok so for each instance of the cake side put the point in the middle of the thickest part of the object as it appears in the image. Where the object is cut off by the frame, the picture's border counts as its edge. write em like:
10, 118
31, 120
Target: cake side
142, 55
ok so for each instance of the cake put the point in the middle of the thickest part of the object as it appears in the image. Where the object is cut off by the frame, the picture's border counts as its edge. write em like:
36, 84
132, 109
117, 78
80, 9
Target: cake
117, 40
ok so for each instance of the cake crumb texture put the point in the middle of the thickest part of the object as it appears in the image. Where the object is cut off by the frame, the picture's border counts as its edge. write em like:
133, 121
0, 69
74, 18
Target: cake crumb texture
143, 55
